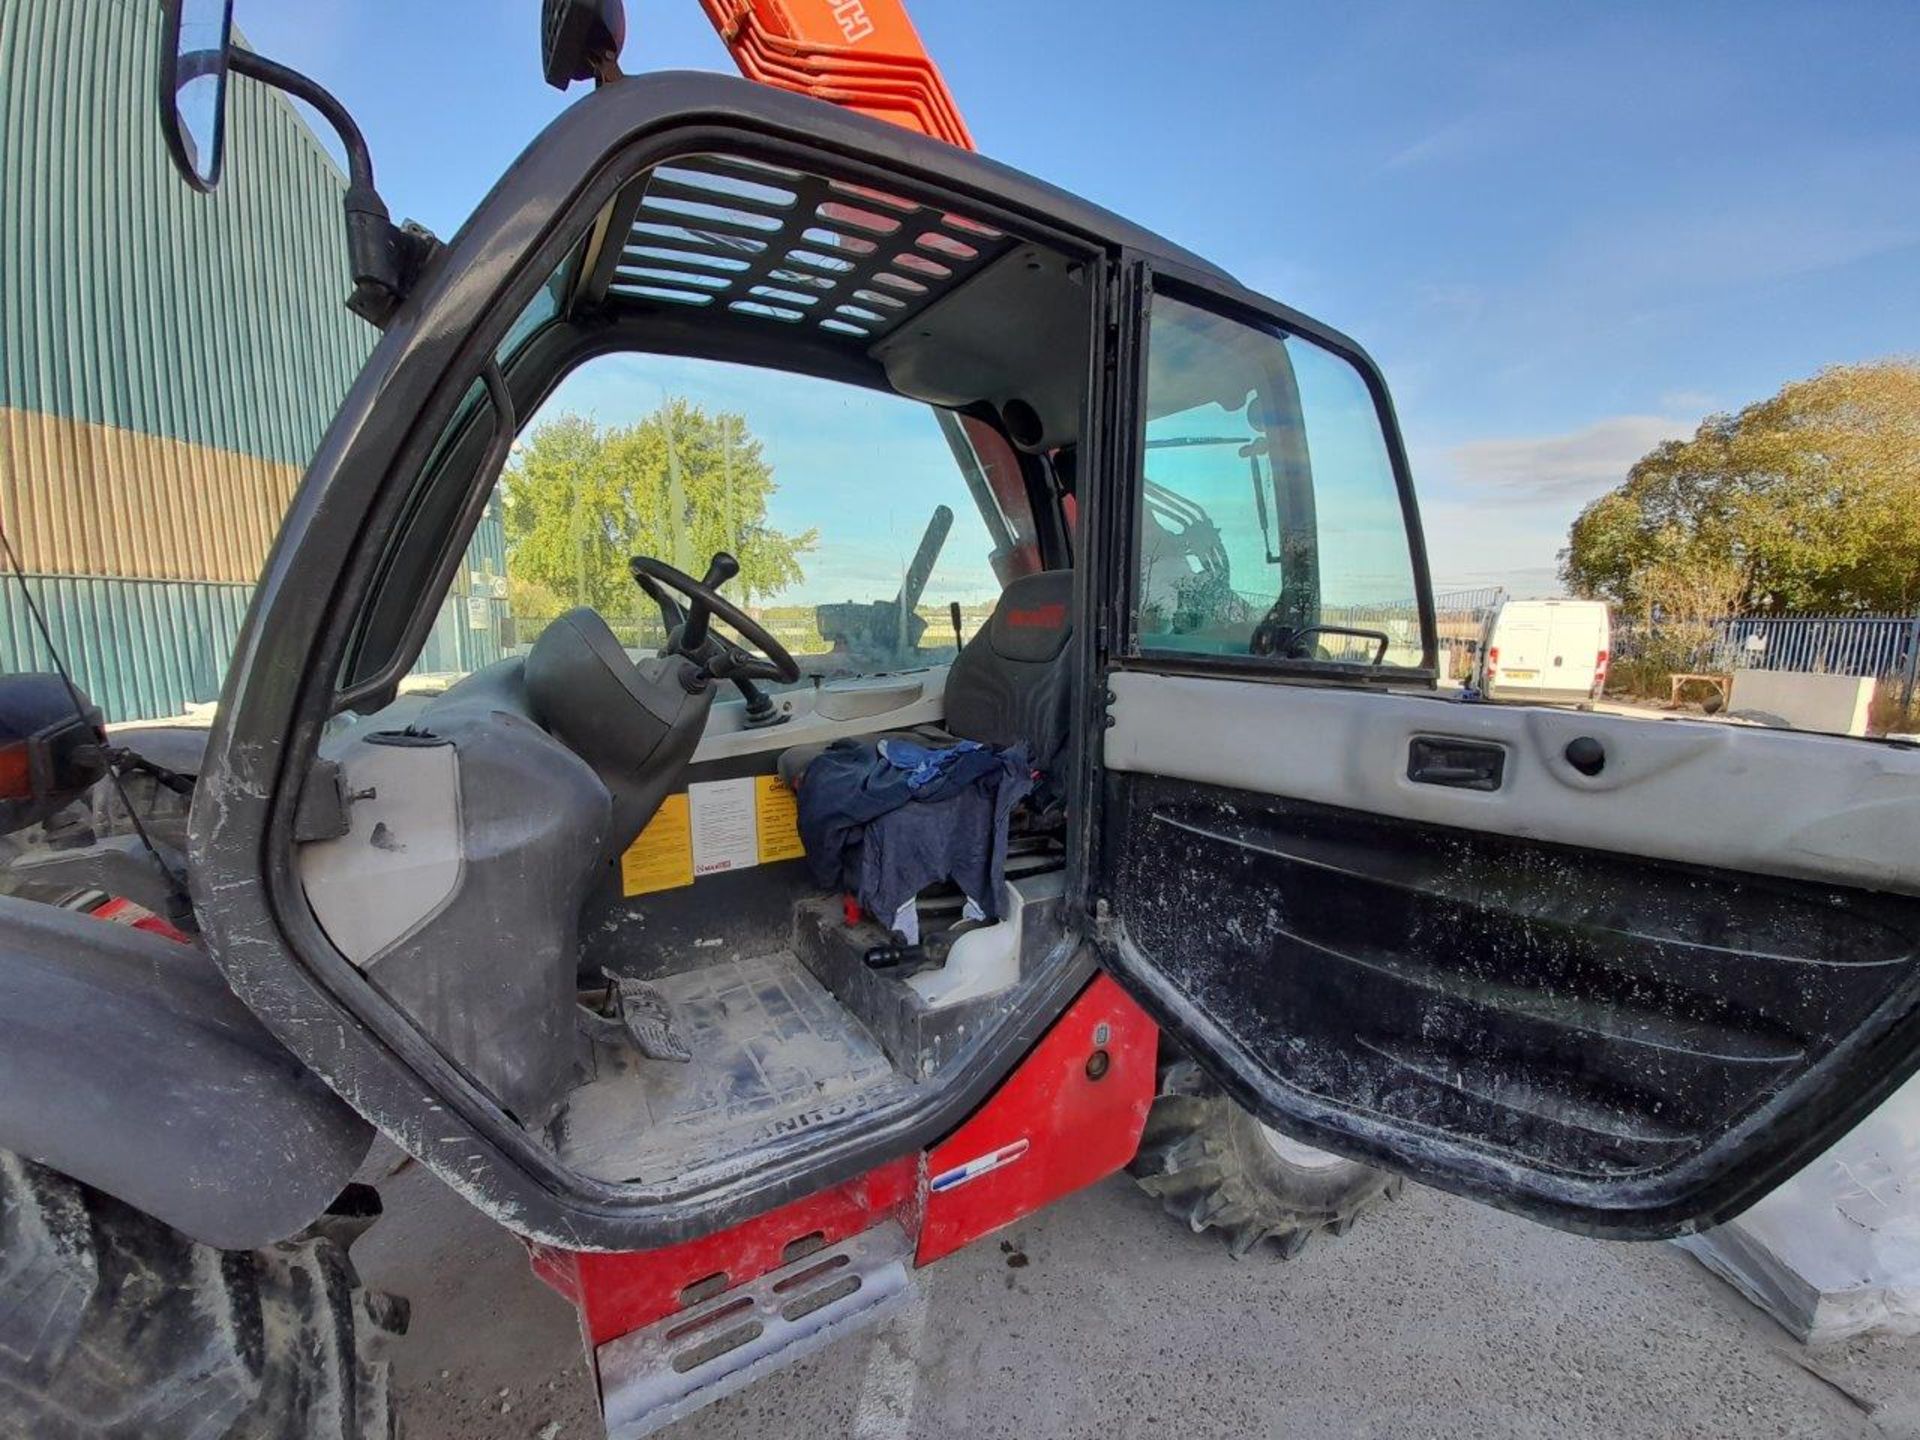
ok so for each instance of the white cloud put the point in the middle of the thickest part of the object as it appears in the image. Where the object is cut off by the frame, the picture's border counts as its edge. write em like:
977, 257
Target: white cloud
1496, 510
1575, 466
1475, 543
1449, 141
1818, 207
1758, 243
1454, 302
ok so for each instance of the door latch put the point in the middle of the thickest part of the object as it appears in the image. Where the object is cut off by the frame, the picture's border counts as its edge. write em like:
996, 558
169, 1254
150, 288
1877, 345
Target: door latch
1456, 764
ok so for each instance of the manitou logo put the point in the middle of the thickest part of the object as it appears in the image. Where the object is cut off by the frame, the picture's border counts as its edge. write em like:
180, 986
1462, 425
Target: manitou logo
852, 15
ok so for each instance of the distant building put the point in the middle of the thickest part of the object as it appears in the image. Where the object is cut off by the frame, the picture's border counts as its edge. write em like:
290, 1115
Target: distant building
168, 362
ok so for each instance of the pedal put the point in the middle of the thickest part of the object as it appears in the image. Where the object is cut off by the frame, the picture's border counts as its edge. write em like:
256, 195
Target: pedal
642, 1015
667, 1370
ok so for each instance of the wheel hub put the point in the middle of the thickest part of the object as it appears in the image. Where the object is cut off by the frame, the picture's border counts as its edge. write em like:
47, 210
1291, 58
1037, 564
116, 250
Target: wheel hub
1302, 1157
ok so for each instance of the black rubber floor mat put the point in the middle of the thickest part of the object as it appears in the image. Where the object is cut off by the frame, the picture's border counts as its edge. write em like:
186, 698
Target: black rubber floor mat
772, 1052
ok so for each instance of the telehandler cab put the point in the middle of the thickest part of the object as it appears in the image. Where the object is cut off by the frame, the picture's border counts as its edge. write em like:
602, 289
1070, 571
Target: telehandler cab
1273, 921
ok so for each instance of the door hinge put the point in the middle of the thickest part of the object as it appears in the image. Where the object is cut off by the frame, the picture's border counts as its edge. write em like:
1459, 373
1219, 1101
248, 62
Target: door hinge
1103, 925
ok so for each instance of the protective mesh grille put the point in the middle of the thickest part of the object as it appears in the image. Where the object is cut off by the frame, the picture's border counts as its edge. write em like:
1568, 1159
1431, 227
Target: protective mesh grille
790, 249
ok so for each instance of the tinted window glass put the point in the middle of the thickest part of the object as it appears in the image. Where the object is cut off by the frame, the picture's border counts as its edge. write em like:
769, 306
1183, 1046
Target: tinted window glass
1269, 519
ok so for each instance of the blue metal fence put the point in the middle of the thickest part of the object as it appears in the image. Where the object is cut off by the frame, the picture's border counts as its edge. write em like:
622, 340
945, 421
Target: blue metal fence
1886, 647
1882, 647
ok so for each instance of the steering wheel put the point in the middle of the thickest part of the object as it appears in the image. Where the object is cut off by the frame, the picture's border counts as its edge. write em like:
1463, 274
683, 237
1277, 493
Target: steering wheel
690, 633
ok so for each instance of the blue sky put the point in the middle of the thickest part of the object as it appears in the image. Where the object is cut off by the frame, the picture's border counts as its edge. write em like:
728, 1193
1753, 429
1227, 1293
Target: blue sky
1565, 233
863, 468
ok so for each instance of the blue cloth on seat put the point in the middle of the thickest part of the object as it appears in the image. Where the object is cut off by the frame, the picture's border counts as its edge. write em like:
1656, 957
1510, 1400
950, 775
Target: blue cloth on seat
870, 831
926, 764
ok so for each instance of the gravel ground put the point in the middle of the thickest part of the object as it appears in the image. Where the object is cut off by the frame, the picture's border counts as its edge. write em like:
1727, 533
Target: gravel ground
1102, 1318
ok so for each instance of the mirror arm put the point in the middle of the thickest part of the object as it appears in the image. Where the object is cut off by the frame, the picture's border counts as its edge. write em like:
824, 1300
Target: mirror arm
282, 77
384, 258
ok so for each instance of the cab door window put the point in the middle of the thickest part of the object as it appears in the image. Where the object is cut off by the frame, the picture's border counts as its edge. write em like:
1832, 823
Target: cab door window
860, 519
1269, 518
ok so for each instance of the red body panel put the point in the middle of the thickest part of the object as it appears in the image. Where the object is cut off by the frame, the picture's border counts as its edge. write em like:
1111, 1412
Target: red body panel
1051, 1129
619, 1292
122, 911
1070, 1114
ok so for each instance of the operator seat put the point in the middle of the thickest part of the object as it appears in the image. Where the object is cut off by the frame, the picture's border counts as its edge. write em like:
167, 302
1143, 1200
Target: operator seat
1011, 682
635, 724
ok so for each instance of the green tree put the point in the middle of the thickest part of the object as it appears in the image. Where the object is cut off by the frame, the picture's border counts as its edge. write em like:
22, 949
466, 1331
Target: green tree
1807, 501
678, 485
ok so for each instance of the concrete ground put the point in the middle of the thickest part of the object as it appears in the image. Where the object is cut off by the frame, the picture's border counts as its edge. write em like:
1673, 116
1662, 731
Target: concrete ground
1102, 1318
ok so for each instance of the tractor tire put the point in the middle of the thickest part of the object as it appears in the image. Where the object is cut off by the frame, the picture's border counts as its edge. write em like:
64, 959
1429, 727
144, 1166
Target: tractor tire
1214, 1166
114, 1326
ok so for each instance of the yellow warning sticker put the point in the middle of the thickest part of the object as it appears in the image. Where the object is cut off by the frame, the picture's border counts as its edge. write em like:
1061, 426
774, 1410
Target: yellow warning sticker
661, 856
664, 855
777, 810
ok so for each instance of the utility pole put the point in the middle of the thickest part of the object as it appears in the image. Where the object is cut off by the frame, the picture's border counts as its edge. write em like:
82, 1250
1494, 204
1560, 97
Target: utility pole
676, 494
1912, 679
726, 470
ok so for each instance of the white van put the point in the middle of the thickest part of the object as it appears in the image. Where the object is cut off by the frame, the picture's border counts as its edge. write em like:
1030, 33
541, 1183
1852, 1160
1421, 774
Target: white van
1544, 650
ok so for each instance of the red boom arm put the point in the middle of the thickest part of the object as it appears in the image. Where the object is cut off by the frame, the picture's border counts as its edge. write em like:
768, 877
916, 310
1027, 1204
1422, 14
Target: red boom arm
863, 54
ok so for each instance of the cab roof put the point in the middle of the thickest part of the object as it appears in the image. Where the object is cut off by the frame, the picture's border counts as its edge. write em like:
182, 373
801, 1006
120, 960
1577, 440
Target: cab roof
937, 272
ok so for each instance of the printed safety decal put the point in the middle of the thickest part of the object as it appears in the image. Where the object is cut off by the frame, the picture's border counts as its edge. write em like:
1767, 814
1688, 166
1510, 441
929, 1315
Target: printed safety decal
978, 1166
711, 827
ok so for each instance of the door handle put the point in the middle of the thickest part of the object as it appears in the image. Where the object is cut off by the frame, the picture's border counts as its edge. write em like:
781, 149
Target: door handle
1456, 764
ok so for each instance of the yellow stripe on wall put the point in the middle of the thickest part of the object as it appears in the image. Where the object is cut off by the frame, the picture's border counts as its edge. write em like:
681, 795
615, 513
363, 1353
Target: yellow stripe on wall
86, 499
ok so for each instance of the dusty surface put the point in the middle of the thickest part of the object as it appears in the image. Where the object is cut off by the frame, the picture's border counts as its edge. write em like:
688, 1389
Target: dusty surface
1100, 1318
768, 1044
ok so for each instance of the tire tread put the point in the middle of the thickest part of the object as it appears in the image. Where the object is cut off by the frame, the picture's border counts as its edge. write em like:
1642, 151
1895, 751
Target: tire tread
114, 1326
1192, 1159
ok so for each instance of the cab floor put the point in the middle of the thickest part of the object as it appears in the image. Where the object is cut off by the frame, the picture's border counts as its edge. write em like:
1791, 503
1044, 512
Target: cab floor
773, 1052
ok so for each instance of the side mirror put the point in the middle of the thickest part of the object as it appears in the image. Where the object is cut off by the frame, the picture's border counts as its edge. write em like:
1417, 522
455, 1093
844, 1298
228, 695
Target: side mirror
194, 36
581, 40
196, 56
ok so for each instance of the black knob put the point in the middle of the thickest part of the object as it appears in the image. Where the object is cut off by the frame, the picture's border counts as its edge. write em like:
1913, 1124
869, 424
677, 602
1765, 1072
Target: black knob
1586, 754
722, 568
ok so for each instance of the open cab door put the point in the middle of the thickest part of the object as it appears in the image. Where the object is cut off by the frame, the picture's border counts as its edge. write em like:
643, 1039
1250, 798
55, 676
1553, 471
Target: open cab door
1618, 974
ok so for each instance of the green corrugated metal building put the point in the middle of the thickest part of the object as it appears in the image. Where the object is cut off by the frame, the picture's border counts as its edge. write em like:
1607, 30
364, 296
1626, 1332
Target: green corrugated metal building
168, 361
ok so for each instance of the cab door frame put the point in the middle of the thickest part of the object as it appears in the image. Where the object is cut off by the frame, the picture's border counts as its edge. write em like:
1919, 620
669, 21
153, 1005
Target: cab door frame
1651, 968
284, 680
1116, 553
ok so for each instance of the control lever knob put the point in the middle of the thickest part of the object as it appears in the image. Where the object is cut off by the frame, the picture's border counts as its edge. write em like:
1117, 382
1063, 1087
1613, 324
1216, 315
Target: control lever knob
722, 568
1586, 754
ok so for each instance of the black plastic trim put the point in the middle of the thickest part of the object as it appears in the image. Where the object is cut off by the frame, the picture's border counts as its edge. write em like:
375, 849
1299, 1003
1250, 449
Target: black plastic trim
127, 1064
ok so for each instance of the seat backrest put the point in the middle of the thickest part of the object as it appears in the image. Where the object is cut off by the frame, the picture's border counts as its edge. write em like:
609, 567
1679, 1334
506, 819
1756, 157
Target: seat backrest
636, 725
1010, 682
